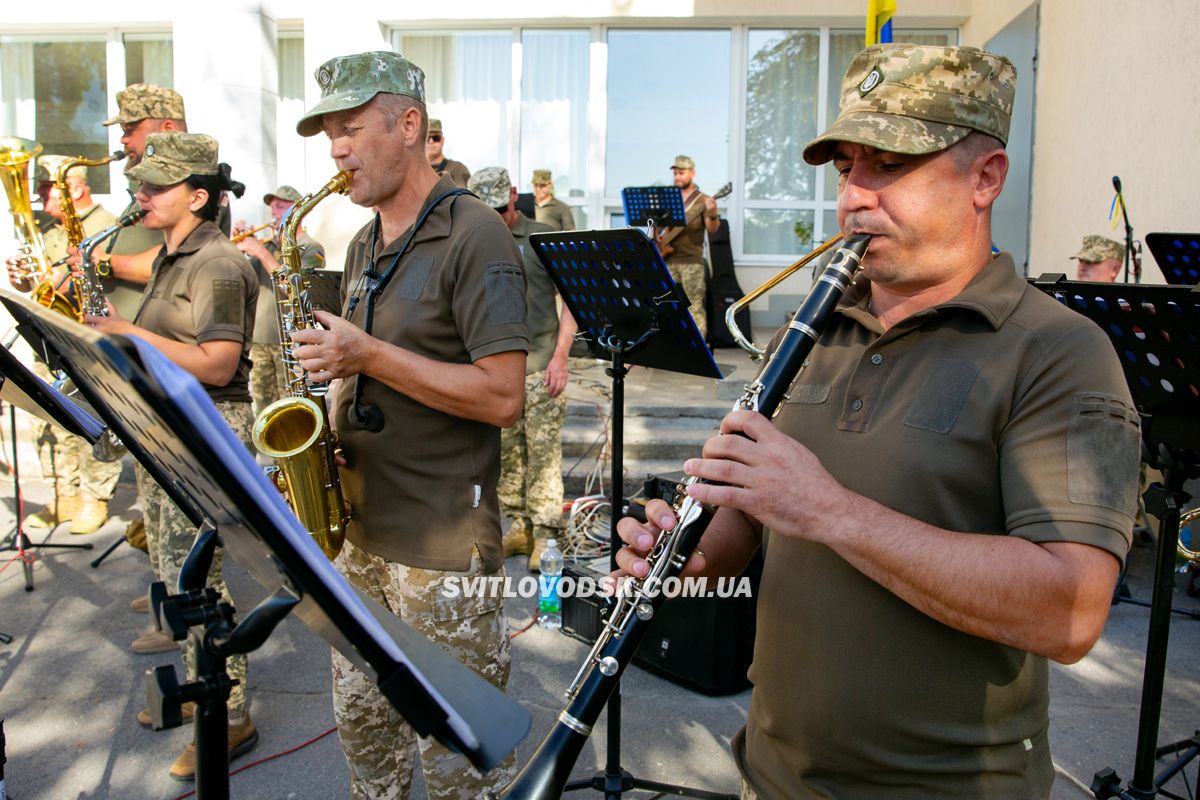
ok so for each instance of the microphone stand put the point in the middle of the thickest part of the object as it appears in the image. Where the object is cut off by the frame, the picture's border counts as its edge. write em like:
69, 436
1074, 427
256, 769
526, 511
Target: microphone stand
1130, 251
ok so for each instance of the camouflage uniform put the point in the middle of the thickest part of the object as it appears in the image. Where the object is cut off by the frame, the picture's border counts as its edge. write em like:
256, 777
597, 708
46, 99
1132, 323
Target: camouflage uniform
378, 743
686, 263
1098, 248
169, 536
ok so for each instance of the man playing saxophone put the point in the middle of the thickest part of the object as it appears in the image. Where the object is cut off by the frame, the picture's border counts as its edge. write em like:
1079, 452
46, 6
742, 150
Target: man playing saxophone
945, 499
431, 349
83, 485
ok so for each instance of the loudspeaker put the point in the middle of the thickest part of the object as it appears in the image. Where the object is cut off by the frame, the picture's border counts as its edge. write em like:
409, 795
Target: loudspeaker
703, 643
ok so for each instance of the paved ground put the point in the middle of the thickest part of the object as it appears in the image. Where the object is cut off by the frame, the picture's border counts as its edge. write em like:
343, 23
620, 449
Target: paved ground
69, 686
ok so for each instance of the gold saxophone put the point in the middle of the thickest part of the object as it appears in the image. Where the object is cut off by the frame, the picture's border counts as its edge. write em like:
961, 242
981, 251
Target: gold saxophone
295, 430
46, 292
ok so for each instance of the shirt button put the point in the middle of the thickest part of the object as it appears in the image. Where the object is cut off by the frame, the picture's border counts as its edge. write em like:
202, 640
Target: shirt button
876, 359
856, 405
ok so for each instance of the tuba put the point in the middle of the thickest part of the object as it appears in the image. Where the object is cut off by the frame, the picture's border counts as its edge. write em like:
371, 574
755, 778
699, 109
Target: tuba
545, 774
15, 155
294, 430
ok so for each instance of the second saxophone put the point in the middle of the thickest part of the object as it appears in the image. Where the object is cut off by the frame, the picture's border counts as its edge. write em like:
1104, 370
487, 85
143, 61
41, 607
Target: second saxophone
294, 430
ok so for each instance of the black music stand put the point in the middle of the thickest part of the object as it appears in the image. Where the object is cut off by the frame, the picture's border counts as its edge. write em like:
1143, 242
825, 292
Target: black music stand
650, 206
628, 310
172, 427
325, 290
1177, 255
23, 389
1152, 329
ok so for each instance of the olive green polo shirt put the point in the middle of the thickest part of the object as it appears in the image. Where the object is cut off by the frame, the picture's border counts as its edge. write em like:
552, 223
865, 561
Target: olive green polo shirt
999, 411
541, 307
94, 219
689, 245
203, 292
423, 489
457, 171
556, 214
130, 240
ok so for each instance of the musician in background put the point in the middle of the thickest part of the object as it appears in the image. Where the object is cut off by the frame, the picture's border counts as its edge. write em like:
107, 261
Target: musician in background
83, 485
683, 248
436, 373
1100, 259
442, 165
549, 209
946, 499
267, 381
199, 313
531, 485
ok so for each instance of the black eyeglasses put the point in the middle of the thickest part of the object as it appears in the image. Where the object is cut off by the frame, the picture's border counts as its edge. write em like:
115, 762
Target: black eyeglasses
435, 137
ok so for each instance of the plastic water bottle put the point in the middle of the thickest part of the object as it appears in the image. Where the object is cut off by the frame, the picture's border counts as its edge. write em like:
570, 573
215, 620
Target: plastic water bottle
549, 603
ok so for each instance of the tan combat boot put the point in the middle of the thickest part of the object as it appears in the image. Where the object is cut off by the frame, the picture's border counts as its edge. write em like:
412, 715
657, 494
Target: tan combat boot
517, 543
56, 513
92, 514
242, 738
535, 557
153, 641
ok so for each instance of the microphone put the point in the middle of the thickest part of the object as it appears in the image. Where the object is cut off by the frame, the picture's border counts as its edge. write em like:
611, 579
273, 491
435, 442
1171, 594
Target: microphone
1117, 183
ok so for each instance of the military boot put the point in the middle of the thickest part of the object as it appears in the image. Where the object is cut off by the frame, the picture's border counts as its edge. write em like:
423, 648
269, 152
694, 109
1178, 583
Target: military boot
92, 514
242, 738
517, 542
63, 508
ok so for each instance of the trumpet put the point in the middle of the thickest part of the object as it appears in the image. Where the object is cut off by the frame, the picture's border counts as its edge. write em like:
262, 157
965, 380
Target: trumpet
545, 774
1183, 550
246, 234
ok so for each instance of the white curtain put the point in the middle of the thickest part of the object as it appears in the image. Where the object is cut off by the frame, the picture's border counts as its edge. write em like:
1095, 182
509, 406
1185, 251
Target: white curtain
16, 89
554, 106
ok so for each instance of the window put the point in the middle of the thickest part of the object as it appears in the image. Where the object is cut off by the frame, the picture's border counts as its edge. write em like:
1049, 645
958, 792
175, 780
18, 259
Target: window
149, 58
554, 109
469, 87
56, 92
668, 94
289, 147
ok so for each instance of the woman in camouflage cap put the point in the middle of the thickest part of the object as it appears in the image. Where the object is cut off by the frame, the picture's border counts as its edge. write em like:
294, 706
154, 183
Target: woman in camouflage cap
198, 310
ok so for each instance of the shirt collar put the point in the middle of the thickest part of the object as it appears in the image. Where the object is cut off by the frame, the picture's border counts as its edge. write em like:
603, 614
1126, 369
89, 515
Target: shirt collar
520, 228
437, 225
205, 233
993, 294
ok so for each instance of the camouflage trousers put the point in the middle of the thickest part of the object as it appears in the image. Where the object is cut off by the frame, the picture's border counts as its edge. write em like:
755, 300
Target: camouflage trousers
67, 460
691, 278
531, 484
379, 745
169, 536
266, 375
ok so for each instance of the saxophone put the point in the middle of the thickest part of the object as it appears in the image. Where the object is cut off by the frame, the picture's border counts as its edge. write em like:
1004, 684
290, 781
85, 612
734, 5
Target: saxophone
88, 286
545, 774
294, 430
47, 292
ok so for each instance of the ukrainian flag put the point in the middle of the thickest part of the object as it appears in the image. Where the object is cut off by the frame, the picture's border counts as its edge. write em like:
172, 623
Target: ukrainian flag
879, 21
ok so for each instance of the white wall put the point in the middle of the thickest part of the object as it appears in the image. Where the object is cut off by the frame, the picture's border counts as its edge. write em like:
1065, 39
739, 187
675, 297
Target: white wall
1116, 96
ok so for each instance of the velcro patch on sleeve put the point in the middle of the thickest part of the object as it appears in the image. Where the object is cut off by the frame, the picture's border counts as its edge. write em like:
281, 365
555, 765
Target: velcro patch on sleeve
228, 304
1103, 436
504, 289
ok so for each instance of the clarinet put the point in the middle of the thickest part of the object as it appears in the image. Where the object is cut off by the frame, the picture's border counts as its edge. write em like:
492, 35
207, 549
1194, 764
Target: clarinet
545, 774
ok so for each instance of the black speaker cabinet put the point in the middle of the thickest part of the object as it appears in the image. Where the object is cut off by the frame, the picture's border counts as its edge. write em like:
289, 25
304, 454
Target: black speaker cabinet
703, 643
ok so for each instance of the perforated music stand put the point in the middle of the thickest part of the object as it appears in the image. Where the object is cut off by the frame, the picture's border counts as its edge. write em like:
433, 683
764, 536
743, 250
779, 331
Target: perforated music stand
1154, 330
172, 427
1177, 255
660, 206
631, 311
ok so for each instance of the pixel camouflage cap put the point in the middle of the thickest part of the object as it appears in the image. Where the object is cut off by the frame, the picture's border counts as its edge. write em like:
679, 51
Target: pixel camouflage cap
683, 162
541, 177
1097, 248
492, 185
175, 156
916, 99
350, 81
140, 101
285, 192
435, 125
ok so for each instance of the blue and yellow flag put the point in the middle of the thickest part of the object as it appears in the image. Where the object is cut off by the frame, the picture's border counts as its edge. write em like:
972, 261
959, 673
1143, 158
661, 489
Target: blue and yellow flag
879, 21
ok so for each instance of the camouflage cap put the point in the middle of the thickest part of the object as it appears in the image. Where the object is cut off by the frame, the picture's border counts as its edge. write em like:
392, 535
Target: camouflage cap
435, 125
175, 156
492, 186
1097, 248
140, 101
349, 81
284, 192
541, 177
683, 162
914, 99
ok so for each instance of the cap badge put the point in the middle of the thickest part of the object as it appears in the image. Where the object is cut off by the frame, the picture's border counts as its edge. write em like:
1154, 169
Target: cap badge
324, 77
149, 150
873, 79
